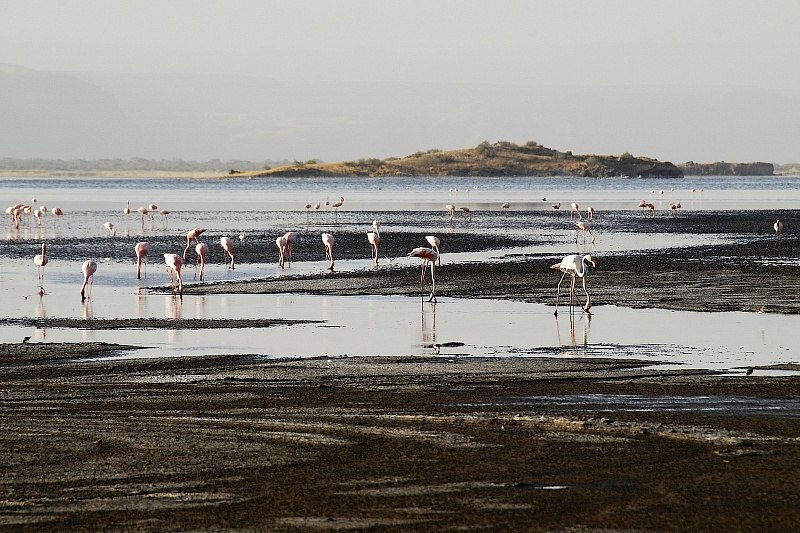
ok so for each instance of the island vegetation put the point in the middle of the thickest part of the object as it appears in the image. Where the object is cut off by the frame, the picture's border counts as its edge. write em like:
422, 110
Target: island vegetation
722, 168
498, 159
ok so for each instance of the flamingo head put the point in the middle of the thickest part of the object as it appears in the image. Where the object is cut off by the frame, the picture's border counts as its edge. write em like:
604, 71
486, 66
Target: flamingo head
590, 259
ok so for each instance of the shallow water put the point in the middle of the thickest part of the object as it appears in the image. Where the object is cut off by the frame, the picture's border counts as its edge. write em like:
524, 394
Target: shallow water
380, 325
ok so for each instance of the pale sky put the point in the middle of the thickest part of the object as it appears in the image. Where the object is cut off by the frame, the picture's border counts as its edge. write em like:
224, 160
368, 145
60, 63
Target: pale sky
587, 42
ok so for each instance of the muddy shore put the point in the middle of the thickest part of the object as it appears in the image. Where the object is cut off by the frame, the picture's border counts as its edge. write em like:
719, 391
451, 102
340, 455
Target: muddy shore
420, 443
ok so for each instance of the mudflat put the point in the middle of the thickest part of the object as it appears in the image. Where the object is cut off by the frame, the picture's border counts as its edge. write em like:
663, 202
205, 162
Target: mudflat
420, 443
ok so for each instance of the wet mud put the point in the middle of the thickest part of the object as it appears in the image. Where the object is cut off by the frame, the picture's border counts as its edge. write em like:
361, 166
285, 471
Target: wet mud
387, 444
422, 443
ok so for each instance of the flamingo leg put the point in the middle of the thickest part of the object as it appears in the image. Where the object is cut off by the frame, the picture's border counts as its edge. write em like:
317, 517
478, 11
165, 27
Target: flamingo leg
586, 307
558, 291
432, 297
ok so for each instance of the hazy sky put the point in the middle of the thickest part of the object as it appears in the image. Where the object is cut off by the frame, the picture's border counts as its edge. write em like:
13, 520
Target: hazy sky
510, 42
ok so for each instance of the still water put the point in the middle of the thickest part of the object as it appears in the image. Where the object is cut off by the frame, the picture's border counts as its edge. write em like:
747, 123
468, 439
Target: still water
355, 326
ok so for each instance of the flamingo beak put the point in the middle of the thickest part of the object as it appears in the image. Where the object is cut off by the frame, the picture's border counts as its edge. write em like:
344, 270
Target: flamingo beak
594, 265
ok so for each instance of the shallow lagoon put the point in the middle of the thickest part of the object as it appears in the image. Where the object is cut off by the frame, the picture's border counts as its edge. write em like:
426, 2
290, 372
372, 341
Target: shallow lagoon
379, 325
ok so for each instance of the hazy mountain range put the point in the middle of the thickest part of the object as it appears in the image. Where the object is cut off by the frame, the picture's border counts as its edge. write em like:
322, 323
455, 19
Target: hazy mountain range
198, 117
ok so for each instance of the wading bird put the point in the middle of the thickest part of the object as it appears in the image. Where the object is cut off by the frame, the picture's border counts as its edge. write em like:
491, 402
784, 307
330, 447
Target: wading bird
291, 238
110, 227
281, 243
575, 210
556, 207
574, 266
227, 250
778, 227
427, 255
327, 241
434, 241
41, 260
374, 238
141, 249
127, 210
451, 211
174, 263
590, 213
467, 213
202, 254
89, 268
192, 235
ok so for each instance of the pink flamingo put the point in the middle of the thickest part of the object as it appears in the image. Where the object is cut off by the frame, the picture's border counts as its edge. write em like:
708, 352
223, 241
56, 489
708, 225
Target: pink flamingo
227, 250
467, 213
574, 210
337, 205
142, 211
202, 253
327, 241
435, 242
89, 268
374, 239
291, 237
428, 255
556, 207
127, 210
282, 246
590, 213
192, 235
141, 249
174, 263
110, 227
451, 211
41, 261
574, 266
778, 227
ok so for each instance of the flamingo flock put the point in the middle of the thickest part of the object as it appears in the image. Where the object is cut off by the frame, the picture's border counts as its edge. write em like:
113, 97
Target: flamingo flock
576, 266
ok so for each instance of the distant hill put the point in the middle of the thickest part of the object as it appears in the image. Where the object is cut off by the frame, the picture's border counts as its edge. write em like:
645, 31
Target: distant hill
92, 116
498, 159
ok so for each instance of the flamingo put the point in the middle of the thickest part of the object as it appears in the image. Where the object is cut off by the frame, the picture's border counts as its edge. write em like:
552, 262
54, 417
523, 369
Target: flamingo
505, 205
191, 235
41, 261
590, 213
575, 209
337, 205
141, 249
282, 246
467, 213
127, 209
110, 227
778, 227
89, 268
164, 213
434, 241
202, 253
574, 266
451, 210
152, 208
174, 263
142, 211
556, 207
327, 241
374, 238
582, 226
227, 250
291, 237
427, 255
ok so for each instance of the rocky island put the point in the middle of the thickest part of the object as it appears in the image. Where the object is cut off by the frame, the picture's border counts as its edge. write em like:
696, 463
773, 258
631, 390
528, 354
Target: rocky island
498, 159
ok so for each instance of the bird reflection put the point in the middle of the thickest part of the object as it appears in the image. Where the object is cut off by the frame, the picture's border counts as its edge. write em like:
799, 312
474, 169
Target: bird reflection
428, 326
39, 311
573, 341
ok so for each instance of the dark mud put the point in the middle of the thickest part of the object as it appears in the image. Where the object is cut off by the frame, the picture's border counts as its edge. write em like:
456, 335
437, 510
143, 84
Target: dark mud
387, 444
